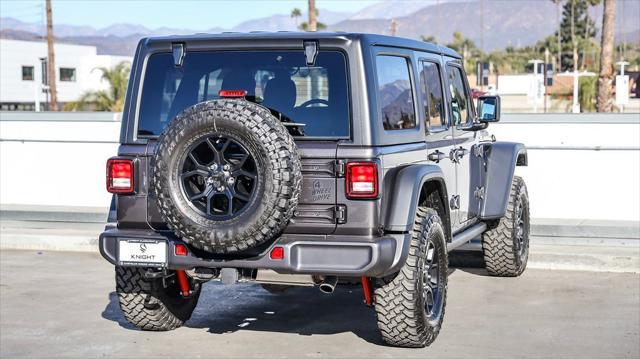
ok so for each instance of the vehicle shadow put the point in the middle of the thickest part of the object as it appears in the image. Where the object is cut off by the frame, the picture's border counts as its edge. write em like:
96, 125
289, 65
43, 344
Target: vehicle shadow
226, 309
469, 262
302, 310
113, 312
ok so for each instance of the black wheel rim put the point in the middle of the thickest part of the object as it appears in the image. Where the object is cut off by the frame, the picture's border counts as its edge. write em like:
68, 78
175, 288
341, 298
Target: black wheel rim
522, 240
431, 291
218, 177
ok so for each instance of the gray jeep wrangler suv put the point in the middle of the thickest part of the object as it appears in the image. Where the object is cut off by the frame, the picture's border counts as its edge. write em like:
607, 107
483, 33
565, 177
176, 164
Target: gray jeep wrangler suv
307, 159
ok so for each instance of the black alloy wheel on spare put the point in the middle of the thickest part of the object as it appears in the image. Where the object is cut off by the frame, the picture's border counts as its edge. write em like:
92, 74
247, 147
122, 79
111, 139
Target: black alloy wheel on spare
226, 175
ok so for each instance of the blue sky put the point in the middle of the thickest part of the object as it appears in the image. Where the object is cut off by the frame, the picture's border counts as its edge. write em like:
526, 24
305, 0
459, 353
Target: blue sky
191, 14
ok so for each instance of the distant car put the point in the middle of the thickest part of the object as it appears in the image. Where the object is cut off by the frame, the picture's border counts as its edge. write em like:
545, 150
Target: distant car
307, 159
475, 93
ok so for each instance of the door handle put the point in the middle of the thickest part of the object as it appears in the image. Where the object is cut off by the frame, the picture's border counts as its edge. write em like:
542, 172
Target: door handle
457, 153
436, 156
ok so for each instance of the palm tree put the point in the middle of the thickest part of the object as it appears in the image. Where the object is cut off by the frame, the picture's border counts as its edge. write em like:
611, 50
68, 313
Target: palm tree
605, 80
111, 99
295, 14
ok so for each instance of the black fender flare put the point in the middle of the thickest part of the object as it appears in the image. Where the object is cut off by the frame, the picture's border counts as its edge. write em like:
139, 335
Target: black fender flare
501, 159
403, 189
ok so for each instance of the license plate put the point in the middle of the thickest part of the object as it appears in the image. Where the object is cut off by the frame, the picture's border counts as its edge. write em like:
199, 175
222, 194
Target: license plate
142, 252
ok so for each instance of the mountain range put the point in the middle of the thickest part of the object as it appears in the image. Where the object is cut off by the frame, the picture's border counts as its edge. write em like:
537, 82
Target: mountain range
525, 22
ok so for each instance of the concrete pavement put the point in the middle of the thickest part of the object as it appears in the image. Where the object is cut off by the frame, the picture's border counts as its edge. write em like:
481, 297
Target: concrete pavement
61, 304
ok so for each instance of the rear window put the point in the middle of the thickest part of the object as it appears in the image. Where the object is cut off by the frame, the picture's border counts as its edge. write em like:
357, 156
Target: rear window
395, 97
315, 97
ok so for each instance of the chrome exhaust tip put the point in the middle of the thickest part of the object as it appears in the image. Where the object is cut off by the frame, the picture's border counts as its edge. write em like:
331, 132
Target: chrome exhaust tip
328, 285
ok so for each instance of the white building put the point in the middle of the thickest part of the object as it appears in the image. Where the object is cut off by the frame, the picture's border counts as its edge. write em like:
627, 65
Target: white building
21, 72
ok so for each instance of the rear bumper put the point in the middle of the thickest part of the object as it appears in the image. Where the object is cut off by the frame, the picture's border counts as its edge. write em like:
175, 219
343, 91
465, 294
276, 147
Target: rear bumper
303, 254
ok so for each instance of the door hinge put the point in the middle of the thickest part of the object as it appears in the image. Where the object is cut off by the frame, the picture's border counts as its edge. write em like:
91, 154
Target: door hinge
478, 150
454, 203
340, 214
479, 192
339, 168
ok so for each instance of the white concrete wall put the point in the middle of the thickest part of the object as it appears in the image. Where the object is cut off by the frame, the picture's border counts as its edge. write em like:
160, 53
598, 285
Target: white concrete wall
14, 54
61, 161
567, 179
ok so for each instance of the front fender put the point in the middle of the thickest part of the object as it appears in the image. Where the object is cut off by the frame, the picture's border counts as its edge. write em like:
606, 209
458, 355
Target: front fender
500, 162
402, 189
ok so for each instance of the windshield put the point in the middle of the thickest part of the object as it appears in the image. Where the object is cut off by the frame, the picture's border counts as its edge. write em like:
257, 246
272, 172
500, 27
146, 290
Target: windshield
312, 101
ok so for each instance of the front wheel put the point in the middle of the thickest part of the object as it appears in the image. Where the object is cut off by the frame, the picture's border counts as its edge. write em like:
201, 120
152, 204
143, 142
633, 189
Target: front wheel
410, 307
506, 243
150, 304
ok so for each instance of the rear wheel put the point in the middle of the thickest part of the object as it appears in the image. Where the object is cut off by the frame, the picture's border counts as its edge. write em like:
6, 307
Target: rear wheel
410, 307
506, 243
151, 305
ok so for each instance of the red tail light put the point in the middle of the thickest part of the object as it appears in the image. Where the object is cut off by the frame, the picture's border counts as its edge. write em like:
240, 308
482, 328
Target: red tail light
362, 180
120, 176
277, 253
181, 250
232, 93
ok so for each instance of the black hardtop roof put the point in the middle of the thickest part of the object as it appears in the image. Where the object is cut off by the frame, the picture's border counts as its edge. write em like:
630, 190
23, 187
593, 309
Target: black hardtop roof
366, 39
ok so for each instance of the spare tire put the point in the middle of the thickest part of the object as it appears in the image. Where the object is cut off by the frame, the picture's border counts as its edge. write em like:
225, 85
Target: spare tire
226, 176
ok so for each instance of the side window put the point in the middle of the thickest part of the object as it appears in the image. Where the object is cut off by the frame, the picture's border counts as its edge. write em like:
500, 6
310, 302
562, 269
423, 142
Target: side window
460, 102
395, 97
431, 85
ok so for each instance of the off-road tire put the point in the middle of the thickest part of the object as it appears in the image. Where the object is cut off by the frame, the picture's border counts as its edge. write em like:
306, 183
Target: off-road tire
278, 180
146, 304
399, 304
500, 243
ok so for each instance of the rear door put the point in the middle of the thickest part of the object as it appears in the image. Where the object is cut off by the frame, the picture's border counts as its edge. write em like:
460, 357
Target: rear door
462, 114
440, 141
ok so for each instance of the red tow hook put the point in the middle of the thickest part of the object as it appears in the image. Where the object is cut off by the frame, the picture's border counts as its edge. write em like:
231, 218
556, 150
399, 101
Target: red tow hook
366, 288
183, 281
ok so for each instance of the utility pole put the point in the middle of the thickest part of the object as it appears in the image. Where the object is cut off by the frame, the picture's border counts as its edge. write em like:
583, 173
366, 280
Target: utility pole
437, 34
51, 61
394, 27
313, 22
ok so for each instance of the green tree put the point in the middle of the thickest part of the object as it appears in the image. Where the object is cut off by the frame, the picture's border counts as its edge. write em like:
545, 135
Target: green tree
432, 39
295, 14
577, 32
305, 26
587, 90
111, 99
467, 48
319, 26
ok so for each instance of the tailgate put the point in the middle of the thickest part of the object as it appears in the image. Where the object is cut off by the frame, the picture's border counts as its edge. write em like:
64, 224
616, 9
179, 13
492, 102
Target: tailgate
317, 212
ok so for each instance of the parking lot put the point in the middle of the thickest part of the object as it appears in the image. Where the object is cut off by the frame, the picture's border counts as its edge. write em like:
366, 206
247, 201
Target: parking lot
62, 304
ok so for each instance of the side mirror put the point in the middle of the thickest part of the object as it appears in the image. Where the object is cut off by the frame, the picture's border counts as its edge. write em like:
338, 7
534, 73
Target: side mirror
488, 109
